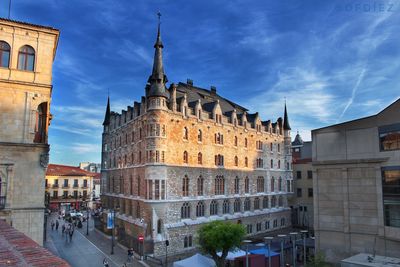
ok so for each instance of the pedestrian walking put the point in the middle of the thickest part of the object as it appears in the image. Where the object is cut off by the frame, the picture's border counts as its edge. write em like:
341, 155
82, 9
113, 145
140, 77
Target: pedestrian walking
57, 224
130, 255
105, 262
52, 225
71, 233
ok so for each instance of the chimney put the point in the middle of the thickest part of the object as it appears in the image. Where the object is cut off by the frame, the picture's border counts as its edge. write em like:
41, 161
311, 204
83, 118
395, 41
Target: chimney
213, 90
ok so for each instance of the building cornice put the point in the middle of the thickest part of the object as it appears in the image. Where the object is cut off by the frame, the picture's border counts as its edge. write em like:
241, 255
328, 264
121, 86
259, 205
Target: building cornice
349, 161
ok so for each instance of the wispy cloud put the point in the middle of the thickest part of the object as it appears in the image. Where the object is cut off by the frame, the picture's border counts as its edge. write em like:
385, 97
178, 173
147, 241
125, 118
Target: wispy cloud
84, 148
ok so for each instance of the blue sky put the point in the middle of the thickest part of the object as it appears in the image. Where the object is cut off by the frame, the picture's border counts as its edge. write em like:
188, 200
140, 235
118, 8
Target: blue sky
333, 60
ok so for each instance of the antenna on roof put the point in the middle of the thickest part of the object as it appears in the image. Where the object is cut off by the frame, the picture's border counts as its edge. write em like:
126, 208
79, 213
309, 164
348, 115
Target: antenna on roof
9, 9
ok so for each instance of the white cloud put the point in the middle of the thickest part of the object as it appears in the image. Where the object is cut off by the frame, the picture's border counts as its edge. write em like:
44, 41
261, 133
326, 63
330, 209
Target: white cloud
84, 148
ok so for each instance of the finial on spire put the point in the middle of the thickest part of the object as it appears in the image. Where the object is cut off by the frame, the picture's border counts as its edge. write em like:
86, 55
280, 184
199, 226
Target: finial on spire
286, 125
159, 17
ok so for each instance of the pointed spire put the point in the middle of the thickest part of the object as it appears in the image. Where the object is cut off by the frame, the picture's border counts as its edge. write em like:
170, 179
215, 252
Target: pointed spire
108, 113
286, 125
158, 79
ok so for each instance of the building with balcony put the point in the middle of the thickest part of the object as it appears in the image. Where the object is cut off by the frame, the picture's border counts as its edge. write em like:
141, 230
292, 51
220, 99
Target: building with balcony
356, 180
69, 187
184, 156
27, 53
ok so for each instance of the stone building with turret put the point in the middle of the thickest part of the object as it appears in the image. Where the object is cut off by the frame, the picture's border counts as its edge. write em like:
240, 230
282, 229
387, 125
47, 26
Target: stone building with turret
184, 156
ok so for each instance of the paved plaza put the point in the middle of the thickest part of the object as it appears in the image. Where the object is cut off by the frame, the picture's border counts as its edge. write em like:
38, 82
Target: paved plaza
85, 250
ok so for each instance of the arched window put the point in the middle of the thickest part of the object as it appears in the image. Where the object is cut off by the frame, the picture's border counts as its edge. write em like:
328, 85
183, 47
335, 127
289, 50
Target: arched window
246, 162
40, 126
279, 164
200, 186
219, 185
200, 209
272, 184
185, 157
185, 186
236, 205
225, 207
280, 184
185, 211
272, 163
4, 54
246, 185
236, 161
236, 141
185, 133
245, 142
236, 187
265, 202
213, 208
199, 136
247, 204
256, 203
199, 158
26, 58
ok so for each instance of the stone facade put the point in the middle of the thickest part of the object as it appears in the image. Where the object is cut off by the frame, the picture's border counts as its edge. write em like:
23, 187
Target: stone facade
184, 156
356, 181
28, 52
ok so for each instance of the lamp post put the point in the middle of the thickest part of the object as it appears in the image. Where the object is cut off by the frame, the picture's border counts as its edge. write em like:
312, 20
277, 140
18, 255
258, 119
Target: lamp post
269, 240
87, 218
112, 229
282, 237
304, 232
294, 234
247, 242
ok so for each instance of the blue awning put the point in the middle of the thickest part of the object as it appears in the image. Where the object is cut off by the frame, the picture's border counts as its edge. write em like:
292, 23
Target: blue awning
263, 251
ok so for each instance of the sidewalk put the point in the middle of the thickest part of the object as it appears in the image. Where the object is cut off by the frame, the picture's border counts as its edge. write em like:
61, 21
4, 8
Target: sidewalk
87, 250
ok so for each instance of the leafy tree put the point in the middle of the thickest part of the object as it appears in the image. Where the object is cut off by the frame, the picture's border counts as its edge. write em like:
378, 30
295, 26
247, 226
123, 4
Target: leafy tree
218, 236
318, 261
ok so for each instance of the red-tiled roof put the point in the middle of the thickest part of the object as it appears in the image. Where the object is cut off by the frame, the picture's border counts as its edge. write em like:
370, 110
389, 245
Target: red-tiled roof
64, 170
16, 249
28, 24
97, 176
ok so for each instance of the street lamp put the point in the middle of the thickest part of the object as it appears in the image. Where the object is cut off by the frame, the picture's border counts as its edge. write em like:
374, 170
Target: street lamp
269, 240
304, 232
87, 218
282, 237
113, 227
294, 234
247, 242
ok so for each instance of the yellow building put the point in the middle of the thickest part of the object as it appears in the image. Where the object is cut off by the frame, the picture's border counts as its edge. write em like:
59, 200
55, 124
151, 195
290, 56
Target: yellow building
69, 187
27, 53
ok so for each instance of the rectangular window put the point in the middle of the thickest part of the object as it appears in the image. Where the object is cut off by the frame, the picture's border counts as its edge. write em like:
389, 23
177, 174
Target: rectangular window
46, 183
298, 174
157, 189
55, 182
75, 194
75, 182
65, 194
309, 174
150, 189
389, 137
65, 182
55, 194
310, 192
85, 183
266, 225
162, 189
249, 228
299, 192
84, 194
391, 195
258, 227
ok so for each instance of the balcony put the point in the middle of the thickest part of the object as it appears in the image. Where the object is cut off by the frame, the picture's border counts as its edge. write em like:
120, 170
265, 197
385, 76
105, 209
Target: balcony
84, 186
65, 186
75, 186
55, 185
2, 202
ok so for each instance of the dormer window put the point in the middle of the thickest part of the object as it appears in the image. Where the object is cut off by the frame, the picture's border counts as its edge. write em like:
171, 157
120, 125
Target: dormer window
26, 58
4, 54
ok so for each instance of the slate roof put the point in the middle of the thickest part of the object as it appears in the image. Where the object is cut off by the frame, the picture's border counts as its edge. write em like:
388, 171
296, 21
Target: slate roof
208, 99
64, 170
16, 249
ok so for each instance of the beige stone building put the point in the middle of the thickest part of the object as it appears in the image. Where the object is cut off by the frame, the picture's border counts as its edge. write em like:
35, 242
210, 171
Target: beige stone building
26, 57
184, 156
357, 186
302, 200
69, 187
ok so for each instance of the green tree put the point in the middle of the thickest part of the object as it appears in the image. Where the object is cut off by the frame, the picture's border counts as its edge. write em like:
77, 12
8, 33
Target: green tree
222, 237
318, 261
